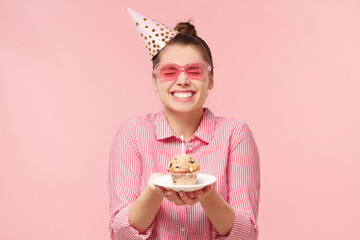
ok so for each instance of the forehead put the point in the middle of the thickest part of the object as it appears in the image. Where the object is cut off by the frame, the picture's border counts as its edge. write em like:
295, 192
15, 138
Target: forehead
180, 54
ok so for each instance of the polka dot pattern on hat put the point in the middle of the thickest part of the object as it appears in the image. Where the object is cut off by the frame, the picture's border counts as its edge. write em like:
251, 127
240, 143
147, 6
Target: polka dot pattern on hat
154, 35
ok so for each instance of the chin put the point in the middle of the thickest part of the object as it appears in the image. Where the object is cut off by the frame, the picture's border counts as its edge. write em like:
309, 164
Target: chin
184, 109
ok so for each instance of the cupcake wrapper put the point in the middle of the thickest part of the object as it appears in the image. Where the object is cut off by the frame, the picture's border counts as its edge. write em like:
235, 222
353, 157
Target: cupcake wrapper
184, 178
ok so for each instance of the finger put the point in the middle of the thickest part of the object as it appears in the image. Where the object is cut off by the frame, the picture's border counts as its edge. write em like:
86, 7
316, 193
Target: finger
207, 189
177, 201
174, 197
186, 199
160, 189
190, 195
198, 193
171, 192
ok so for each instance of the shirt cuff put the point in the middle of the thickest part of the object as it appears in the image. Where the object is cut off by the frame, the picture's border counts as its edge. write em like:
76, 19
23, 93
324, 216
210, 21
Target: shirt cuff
120, 227
243, 229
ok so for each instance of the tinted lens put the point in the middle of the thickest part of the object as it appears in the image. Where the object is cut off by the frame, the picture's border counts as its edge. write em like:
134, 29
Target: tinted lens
168, 72
196, 71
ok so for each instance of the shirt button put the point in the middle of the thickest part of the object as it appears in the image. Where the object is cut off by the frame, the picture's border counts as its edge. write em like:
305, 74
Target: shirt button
182, 229
190, 148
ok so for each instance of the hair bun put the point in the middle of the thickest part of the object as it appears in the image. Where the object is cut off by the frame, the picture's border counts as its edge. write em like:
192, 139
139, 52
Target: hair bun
186, 28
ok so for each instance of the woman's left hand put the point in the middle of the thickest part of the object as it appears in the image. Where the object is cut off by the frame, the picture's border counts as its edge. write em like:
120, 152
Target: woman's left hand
187, 198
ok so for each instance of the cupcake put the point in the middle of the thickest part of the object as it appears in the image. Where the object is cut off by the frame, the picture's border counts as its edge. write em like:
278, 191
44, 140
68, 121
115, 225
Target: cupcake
183, 169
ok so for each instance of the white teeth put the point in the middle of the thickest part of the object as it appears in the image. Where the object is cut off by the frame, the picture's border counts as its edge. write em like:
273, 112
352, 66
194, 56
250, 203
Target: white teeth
183, 95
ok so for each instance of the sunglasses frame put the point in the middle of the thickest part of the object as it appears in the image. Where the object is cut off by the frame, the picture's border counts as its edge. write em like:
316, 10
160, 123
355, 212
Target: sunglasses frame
182, 69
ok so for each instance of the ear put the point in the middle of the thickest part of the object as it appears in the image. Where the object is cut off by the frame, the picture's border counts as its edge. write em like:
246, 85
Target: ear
211, 81
155, 86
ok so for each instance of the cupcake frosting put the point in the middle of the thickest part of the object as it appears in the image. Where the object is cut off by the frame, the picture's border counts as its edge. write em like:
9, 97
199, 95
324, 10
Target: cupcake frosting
183, 163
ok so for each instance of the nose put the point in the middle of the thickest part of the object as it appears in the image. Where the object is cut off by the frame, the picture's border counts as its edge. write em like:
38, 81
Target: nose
182, 79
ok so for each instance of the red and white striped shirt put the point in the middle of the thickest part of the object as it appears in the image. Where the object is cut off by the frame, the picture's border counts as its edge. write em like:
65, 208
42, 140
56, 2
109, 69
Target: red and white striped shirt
223, 147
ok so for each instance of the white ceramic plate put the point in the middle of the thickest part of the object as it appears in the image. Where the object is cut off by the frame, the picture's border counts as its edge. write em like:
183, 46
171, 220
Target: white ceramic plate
202, 180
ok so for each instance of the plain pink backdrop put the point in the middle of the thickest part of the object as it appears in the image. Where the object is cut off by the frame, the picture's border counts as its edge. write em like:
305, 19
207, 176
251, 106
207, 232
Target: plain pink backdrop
71, 71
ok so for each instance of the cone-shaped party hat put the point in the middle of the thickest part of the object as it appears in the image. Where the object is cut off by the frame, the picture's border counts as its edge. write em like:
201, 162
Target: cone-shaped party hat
154, 35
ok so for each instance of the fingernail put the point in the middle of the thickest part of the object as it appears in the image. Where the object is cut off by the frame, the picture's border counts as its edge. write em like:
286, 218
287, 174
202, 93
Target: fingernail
181, 194
169, 193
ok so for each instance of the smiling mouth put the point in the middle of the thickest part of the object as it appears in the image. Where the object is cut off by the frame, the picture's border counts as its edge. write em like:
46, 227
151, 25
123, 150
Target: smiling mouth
183, 94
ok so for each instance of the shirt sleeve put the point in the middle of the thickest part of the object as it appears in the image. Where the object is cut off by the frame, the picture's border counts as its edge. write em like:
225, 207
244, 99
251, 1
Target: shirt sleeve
124, 182
244, 185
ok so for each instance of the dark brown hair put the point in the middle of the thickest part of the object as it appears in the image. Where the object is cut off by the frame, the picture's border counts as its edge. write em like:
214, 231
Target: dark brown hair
187, 36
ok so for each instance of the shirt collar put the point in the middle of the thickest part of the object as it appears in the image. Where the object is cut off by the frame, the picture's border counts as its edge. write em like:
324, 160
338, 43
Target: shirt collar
162, 127
204, 132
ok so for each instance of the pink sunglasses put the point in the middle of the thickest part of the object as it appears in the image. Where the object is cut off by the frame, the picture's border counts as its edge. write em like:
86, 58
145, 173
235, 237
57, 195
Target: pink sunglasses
169, 71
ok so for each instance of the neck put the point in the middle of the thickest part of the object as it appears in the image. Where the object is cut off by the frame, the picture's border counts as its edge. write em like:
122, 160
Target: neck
184, 124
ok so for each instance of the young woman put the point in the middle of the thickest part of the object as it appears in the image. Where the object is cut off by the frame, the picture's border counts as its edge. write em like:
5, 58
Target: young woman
223, 147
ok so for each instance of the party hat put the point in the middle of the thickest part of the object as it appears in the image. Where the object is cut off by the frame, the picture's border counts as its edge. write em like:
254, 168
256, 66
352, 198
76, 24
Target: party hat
154, 35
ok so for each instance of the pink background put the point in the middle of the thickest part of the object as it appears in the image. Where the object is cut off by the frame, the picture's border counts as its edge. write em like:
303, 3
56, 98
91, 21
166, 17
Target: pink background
71, 71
